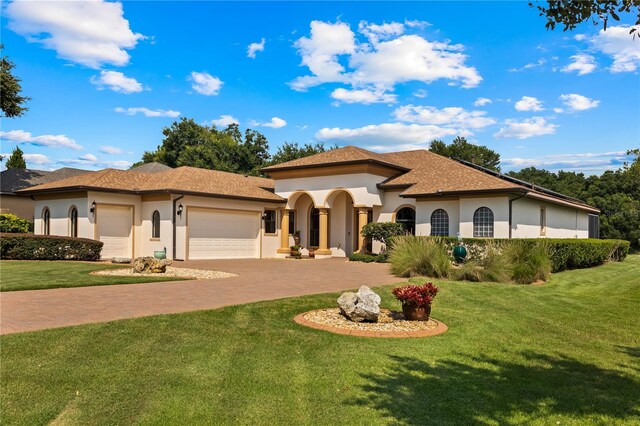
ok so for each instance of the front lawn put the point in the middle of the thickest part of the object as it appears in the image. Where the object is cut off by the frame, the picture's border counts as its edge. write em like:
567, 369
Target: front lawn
566, 352
42, 274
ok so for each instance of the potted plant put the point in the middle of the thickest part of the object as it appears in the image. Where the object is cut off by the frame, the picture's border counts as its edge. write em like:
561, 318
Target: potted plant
416, 300
312, 252
295, 251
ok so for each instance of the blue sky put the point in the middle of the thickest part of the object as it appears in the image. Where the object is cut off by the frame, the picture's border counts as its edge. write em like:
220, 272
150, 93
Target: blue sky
106, 77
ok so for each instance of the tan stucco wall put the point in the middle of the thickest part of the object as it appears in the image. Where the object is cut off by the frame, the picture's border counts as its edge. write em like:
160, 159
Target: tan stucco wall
562, 222
20, 206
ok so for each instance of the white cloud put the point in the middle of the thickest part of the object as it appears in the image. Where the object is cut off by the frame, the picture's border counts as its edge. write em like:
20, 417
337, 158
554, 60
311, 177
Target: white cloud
111, 150
621, 46
51, 141
205, 84
91, 33
455, 117
363, 96
88, 157
580, 37
417, 23
386, 136
148, 112
576, 102
255, 47
39, 159
274, 123
117, 82
377, 32
558, 110
388, 57
527, 128
579, 162
582, 64
224, 121
482, 102
529, 103
540, 62
420, 93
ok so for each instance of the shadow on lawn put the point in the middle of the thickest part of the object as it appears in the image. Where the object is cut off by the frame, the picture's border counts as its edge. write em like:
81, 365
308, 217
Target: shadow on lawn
416, 392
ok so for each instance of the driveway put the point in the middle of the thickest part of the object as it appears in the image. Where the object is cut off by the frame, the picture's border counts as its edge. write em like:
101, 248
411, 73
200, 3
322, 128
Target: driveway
257, 280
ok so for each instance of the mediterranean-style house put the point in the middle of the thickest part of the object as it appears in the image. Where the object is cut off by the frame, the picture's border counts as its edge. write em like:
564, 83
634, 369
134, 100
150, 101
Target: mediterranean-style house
195, 213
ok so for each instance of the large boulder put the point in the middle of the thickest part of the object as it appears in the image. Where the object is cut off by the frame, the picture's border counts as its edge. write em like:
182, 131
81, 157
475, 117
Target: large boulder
150, 265
361, 306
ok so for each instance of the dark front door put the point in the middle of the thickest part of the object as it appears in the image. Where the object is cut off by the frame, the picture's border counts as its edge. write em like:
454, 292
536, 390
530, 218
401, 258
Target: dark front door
314, 228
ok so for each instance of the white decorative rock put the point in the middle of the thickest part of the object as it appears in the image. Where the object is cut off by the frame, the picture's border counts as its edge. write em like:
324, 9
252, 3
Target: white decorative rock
361, 306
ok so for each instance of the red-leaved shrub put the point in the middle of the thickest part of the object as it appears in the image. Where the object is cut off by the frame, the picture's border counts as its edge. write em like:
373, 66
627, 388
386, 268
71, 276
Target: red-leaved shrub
419, 296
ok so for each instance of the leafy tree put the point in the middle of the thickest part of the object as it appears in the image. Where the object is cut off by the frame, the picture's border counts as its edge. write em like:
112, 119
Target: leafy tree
292, 151
463, 150
187, 143
570, 13
11, 101
16, 160
383, 231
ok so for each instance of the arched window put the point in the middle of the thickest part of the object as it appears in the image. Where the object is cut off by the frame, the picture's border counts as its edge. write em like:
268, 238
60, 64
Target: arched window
439, 223
73, 221
46, 221
407, 217
155, 224
483, 223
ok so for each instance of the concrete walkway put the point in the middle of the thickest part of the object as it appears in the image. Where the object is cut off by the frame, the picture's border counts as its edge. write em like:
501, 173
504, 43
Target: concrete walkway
257, 280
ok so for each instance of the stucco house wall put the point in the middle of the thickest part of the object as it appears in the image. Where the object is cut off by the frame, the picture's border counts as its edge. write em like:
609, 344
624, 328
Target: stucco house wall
59, 222
23, 207
561, 222
424, 210
361, 186
500, 208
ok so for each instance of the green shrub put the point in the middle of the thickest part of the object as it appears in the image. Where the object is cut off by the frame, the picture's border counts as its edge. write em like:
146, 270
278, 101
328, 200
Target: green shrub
494, 266
48, 247
368, 258
418, 256
383, 231
565, 253
12, 223
529, 262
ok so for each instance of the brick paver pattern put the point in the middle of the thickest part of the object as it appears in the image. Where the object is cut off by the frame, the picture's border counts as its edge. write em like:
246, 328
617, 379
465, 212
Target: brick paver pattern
257, 280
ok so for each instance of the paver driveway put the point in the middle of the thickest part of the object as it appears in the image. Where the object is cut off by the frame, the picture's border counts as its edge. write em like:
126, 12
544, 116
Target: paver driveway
257, 280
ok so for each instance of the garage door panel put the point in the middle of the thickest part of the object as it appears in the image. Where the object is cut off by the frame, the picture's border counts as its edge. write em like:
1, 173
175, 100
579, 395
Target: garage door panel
215, 234
115, 229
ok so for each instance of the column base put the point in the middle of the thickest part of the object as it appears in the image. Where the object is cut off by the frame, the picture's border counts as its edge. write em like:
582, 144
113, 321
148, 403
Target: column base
323, 252
323, 256
286, 250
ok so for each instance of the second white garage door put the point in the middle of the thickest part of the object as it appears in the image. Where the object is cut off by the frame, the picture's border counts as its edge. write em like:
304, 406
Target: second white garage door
217, 234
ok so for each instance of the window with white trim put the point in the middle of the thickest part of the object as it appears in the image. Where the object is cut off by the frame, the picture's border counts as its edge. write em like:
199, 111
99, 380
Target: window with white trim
155, 224
483, 223
439, 223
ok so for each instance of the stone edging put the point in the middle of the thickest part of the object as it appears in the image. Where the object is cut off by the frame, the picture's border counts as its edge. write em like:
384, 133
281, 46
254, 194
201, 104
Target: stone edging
439, 329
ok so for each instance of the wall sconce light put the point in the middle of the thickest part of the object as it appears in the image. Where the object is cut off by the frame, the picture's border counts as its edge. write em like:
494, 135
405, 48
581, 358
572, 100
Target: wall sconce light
93, 208
179, 211
264, 216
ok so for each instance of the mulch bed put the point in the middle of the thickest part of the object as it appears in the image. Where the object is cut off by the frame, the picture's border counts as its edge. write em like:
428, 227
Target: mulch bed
390, 324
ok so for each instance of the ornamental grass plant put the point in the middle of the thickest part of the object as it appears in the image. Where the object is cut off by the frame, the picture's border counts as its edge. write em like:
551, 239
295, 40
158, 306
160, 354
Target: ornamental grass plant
415, 256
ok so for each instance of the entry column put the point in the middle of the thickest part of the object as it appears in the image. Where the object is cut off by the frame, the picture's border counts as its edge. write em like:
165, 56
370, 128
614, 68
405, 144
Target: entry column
284, 232
362, 221
323, 246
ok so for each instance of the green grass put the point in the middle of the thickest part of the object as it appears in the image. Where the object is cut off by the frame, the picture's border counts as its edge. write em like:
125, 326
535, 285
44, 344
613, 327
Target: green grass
39, 275
567, 352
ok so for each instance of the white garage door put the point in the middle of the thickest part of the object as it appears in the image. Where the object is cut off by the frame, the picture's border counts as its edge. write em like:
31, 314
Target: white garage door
215, 234
115, 226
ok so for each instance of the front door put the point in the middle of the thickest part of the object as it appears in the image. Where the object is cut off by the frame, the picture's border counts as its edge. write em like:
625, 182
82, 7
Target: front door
314, 228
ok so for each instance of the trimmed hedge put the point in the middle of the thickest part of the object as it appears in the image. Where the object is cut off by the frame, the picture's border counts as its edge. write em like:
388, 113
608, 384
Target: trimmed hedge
368, 258
565, 253
48, 247
12, 223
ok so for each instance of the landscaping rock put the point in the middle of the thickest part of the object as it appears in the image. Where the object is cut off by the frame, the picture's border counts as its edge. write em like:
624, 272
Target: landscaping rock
150, 265
361, 306
123, 260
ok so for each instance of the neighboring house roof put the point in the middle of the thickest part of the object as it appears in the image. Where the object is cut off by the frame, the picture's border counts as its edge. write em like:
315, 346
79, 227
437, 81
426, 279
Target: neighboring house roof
346, 155
179, 180
12, 180
151, 168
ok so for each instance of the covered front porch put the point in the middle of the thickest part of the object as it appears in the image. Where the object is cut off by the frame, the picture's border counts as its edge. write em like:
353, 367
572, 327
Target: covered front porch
328, 224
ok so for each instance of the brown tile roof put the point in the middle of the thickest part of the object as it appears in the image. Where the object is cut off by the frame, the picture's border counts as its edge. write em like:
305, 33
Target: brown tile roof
434, 174
346, 155
180, 180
